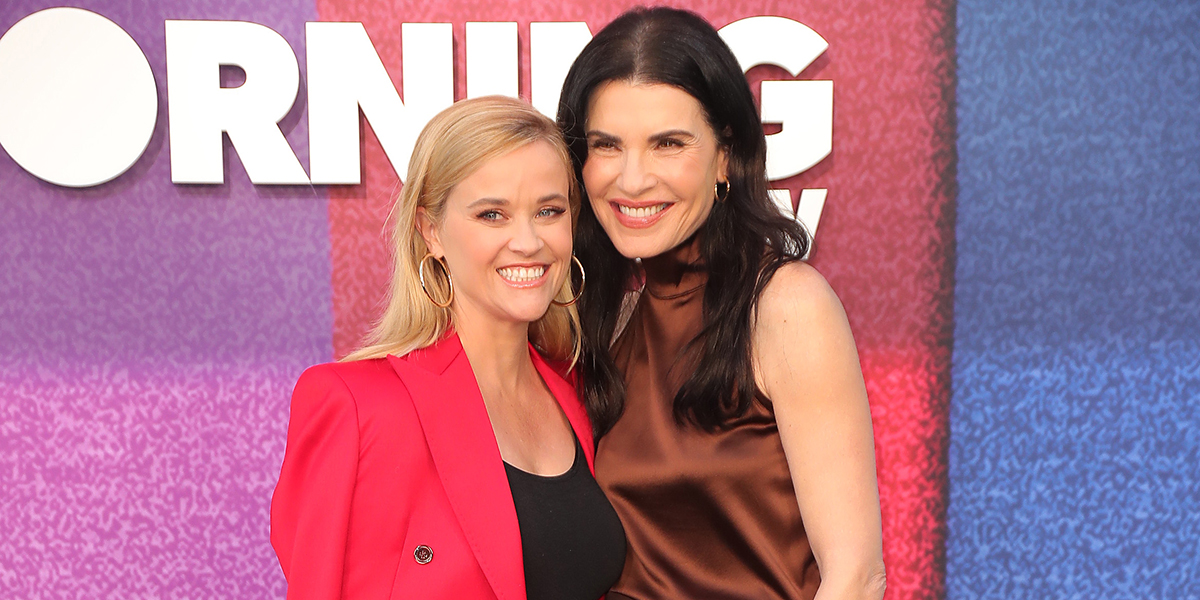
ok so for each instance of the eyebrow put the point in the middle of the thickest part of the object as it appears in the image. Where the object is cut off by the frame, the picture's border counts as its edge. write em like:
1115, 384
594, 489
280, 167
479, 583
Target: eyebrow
672, 133
487, 202
552, 196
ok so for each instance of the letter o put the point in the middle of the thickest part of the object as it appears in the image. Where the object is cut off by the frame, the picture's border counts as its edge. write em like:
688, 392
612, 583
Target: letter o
78, 102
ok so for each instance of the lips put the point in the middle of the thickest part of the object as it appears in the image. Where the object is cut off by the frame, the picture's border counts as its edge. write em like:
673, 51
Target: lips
639, 215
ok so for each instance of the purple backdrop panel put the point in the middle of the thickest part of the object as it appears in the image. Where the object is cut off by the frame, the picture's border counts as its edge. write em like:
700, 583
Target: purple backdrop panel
141, 270
150, 335
126, 484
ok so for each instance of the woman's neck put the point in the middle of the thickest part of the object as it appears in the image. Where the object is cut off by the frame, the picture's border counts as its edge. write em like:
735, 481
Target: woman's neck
680, 267
498, 353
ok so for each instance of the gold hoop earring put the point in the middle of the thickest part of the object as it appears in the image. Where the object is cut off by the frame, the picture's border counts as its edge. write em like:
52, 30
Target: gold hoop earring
582, 283
717, 190
424, 288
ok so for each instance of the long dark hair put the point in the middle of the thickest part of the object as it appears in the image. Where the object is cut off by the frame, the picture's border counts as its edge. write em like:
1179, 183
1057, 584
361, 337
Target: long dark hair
743, 242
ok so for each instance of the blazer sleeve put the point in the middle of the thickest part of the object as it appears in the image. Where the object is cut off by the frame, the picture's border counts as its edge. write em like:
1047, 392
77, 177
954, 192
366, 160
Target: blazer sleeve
310, 511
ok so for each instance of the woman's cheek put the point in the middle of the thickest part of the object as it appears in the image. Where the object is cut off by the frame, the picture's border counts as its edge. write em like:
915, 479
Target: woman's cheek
558, 236
595, 176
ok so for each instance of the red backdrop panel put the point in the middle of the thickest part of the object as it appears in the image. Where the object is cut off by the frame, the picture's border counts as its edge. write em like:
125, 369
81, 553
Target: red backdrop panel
885, 240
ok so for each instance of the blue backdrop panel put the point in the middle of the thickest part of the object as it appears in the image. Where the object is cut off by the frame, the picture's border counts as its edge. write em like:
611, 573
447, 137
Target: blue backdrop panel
1074, 462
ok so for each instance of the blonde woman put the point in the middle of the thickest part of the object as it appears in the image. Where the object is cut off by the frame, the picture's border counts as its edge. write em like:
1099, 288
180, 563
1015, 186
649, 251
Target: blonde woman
449, 458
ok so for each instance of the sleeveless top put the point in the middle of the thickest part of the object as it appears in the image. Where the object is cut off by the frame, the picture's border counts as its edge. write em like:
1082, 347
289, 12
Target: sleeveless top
709, 515
571, 540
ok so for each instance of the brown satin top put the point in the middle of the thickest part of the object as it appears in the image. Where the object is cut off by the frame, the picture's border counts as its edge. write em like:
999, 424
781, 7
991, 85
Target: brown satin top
707, 515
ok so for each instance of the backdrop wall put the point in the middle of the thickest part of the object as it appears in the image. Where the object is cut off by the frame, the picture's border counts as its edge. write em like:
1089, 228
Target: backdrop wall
1074, 454
1039, 263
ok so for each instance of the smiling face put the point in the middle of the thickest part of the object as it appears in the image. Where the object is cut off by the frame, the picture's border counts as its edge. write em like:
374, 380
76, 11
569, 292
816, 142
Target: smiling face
652, 164
505, 234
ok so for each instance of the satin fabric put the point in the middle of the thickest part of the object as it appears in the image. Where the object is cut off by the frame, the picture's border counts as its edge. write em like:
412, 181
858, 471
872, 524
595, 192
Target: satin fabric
709, 515
387, 455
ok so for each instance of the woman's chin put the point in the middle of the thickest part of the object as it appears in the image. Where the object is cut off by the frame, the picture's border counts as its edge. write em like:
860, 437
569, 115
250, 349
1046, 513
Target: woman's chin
640, 249
527, 313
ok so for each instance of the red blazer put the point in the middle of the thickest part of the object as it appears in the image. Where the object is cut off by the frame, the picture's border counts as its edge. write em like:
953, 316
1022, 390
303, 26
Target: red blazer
386, 455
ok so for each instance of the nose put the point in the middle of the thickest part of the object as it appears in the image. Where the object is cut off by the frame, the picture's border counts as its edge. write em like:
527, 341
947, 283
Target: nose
636, 175
526, 239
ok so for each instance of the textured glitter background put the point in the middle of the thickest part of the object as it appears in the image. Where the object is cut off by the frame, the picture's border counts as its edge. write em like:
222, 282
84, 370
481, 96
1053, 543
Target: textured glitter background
1013, 224
150, 335
1075, 457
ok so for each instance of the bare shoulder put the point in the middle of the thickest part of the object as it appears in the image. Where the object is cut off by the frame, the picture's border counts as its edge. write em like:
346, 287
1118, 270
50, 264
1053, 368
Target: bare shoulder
798, 296
802, 343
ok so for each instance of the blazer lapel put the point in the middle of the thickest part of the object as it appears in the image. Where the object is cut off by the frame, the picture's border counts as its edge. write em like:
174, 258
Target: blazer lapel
460, 437
564, 392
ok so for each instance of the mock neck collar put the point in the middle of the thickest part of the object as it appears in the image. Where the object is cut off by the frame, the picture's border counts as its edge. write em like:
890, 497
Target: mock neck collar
677, 272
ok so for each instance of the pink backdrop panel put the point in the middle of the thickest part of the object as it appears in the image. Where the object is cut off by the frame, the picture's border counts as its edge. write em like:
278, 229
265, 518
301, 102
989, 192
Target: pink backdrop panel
885, 241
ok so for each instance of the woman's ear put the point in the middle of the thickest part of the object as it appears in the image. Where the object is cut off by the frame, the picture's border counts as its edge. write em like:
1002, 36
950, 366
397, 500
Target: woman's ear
723, 163
723, 154
429, 232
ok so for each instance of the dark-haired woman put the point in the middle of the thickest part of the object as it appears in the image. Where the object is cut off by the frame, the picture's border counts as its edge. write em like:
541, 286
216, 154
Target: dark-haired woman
737, 444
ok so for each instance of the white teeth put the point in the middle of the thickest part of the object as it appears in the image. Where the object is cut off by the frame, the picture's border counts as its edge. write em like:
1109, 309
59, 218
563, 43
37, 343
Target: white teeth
521, 274
638, 213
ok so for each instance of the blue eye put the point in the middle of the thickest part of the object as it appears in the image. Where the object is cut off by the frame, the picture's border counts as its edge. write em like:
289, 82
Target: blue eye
550, 211
490, 215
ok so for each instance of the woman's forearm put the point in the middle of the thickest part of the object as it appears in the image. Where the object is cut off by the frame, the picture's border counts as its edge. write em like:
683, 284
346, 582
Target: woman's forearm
865, 581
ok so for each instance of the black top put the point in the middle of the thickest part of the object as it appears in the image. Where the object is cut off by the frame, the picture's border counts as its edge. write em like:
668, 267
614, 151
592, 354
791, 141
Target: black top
572, 541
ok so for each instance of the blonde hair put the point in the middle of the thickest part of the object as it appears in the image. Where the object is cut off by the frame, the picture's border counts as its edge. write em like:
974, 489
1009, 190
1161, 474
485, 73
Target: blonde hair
452, 146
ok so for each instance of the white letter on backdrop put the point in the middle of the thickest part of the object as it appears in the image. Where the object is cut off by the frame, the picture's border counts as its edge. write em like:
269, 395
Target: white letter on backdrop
804, 109
552, 49
199, 109
491, 59
78, 102
428, 79
345, 74
808, 210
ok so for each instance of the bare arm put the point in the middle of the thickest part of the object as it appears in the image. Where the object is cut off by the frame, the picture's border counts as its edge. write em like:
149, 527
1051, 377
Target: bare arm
806, 363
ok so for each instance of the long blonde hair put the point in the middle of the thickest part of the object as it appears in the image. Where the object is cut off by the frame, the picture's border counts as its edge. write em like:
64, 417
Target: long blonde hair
453, 145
